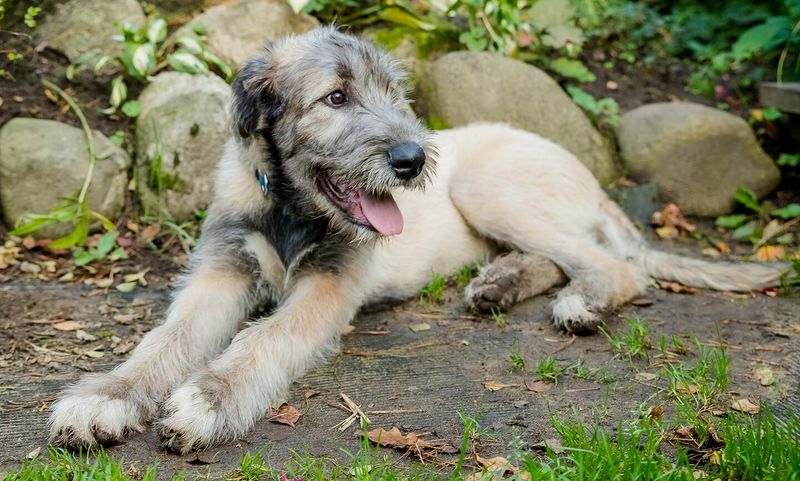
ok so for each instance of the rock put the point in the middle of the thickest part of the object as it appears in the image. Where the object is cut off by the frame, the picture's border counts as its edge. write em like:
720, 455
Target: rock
639, 202
83, 27
239, 29
464, 87
43, 161
697, 155
184, 123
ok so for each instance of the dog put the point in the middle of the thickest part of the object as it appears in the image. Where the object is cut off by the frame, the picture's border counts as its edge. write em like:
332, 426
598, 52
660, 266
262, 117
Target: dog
331, 194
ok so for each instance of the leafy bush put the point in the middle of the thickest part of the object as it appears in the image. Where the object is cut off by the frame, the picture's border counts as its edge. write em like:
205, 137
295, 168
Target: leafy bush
761, 225
145, 53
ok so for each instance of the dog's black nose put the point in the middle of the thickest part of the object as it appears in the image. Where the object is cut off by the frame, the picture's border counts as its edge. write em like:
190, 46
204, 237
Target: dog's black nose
407, 159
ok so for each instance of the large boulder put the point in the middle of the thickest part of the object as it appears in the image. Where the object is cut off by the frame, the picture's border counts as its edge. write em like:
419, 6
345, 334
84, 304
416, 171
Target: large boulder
239, 29
464, 87
42, 162
697, 155
180, 133
85, 27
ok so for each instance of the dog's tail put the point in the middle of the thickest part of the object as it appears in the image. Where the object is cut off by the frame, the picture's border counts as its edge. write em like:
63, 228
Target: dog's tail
626, 241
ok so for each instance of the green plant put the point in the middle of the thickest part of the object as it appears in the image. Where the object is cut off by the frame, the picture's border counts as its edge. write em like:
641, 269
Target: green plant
30, 16
104, 250
498, 317
433, 291
147, 51
760, 225
605, 110
76, 209
464, 275
515, 358
633, 343
549, 369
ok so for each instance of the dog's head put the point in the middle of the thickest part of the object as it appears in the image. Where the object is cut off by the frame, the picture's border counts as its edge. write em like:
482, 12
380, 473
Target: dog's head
328, 112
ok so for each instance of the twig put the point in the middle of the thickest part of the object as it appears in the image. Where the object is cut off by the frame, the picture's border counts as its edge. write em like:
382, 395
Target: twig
566, 345
355, 413
397, 411
585, 389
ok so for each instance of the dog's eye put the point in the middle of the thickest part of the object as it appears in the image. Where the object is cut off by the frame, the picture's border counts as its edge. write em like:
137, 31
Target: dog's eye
336, 98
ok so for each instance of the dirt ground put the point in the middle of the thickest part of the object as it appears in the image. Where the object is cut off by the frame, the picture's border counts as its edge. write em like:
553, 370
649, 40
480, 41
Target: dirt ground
416, 379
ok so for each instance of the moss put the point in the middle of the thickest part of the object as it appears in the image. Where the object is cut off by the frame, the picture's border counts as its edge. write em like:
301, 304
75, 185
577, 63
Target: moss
436, 123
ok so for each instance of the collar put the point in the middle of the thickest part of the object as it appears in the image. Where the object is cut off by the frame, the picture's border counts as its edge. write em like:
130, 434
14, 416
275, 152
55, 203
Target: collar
263, 182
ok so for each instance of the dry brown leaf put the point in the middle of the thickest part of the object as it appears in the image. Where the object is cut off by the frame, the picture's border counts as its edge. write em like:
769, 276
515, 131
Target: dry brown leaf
286, 414
711, 252
310, 393
395, 439
744, 405
655, 414
150, 232
421, 326
644, 376
764, 375
671, 222
687, 388
125, 345
676, 288
770, 253
539, 387
496, 386
642, 302
67, 326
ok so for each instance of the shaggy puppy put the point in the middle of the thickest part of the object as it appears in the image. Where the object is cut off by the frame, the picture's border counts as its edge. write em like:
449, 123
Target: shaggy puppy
320, 208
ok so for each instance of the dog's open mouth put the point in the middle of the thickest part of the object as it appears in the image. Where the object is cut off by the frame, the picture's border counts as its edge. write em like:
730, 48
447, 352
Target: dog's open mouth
379, 213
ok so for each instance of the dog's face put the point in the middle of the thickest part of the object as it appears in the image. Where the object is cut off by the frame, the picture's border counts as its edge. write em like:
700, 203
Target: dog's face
330, 113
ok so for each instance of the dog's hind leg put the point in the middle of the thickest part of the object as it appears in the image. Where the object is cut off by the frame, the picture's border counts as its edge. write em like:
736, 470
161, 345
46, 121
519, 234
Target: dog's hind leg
204, 315
511, 278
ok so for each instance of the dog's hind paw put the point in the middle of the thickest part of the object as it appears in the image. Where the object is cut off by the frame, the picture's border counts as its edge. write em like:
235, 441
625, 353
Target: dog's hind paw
495, 289
100, 410
571, 314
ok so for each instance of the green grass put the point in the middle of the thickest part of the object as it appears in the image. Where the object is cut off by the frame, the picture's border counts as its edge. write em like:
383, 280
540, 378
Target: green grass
433, 292
632, 343
750, 448
549, 369
499, 318
464, 275
515, 358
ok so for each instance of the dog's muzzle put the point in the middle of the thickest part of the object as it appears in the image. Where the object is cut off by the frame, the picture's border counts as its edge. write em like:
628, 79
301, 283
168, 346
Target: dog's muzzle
407, 159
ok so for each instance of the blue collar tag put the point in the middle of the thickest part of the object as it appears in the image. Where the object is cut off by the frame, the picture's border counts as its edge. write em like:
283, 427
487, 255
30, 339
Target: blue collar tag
263, 182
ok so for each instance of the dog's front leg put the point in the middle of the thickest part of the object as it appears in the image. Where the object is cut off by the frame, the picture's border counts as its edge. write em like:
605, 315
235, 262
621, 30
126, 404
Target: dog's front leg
104, 408
222, 402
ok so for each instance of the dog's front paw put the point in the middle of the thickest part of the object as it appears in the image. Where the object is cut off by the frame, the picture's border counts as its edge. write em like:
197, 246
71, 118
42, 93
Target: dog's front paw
572, 314
100, 410
195, 418
495, 288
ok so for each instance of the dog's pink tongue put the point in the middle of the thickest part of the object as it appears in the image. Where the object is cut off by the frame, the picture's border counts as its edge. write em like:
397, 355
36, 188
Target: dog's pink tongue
382, 213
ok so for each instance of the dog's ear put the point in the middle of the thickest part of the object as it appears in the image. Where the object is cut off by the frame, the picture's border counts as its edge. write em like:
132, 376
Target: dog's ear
255, 103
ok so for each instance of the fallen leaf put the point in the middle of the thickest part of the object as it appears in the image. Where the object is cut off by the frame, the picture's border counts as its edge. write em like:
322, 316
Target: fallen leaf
496, 386
126, 318
395, 439
764, 375
676, 288
29, 242
550, 443
538, 387
150, 232
34, 454
94, 354
744, 405
67, 326
655, 414
125, 345
422, 326
687, 388
671, 222
642, 302
126, 286
711, 252
286, 414
29, 267
644, 376
770, 253
85, 336
310, 393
